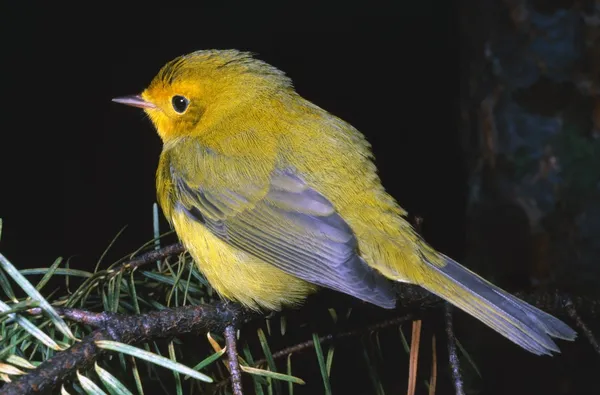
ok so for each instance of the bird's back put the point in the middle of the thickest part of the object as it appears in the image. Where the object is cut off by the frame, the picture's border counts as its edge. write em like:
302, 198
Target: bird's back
336, 160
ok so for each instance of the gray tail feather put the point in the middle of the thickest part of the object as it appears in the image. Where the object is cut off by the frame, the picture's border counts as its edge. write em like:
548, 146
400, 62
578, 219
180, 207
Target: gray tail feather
525, 325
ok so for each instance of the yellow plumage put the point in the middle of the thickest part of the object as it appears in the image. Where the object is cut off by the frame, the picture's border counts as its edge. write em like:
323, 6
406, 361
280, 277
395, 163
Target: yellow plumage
273, 197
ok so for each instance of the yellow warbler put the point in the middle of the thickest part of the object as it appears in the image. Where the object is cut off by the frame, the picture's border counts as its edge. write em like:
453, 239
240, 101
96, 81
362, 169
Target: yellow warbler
274, 197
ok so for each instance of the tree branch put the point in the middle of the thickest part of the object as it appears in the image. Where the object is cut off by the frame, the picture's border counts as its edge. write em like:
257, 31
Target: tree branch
452, 354
581, 325
133, 329
129, 329
234, 363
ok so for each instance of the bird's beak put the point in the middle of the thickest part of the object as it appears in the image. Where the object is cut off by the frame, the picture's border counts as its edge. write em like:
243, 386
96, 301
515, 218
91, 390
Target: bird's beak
134, 101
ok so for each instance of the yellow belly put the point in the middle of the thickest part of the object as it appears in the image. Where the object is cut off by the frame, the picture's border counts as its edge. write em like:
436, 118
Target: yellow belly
236, 275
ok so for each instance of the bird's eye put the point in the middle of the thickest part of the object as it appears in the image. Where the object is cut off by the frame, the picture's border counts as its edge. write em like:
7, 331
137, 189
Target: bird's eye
180, 103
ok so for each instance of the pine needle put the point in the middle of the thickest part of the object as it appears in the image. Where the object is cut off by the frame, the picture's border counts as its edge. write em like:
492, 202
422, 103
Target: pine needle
414, 357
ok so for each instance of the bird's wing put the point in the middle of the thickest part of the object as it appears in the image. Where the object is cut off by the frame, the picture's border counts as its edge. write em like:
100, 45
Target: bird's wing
285, 223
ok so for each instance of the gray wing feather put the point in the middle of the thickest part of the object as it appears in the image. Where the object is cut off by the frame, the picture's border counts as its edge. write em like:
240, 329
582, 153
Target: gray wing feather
294, 228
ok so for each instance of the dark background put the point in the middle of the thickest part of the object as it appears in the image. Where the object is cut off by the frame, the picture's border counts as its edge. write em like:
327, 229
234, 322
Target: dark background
75, 167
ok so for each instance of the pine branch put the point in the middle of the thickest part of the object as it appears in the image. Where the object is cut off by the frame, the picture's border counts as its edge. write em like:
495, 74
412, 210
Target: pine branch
133, 329
129, 329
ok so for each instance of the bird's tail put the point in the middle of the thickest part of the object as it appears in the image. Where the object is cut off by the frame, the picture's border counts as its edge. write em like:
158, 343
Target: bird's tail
520, 322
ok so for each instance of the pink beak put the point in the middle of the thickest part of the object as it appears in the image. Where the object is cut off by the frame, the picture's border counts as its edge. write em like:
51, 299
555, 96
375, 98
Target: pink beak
134, 101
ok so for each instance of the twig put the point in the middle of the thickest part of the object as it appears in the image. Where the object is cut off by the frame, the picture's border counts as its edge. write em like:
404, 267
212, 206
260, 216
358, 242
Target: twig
153, 256
129, 329
95, 320
335, 337
234, 363
433, 377
452, 355
584, 328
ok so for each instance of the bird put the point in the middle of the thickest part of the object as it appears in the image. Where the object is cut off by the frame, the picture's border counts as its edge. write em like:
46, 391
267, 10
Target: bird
275, 198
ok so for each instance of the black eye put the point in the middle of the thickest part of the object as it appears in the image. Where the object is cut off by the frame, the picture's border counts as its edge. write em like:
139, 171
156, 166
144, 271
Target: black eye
180, 103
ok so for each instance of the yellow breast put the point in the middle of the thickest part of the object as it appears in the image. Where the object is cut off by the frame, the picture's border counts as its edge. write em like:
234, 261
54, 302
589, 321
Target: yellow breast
236, 275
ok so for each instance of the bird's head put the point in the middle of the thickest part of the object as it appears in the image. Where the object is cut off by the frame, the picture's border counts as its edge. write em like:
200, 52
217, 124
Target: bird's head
194, 91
